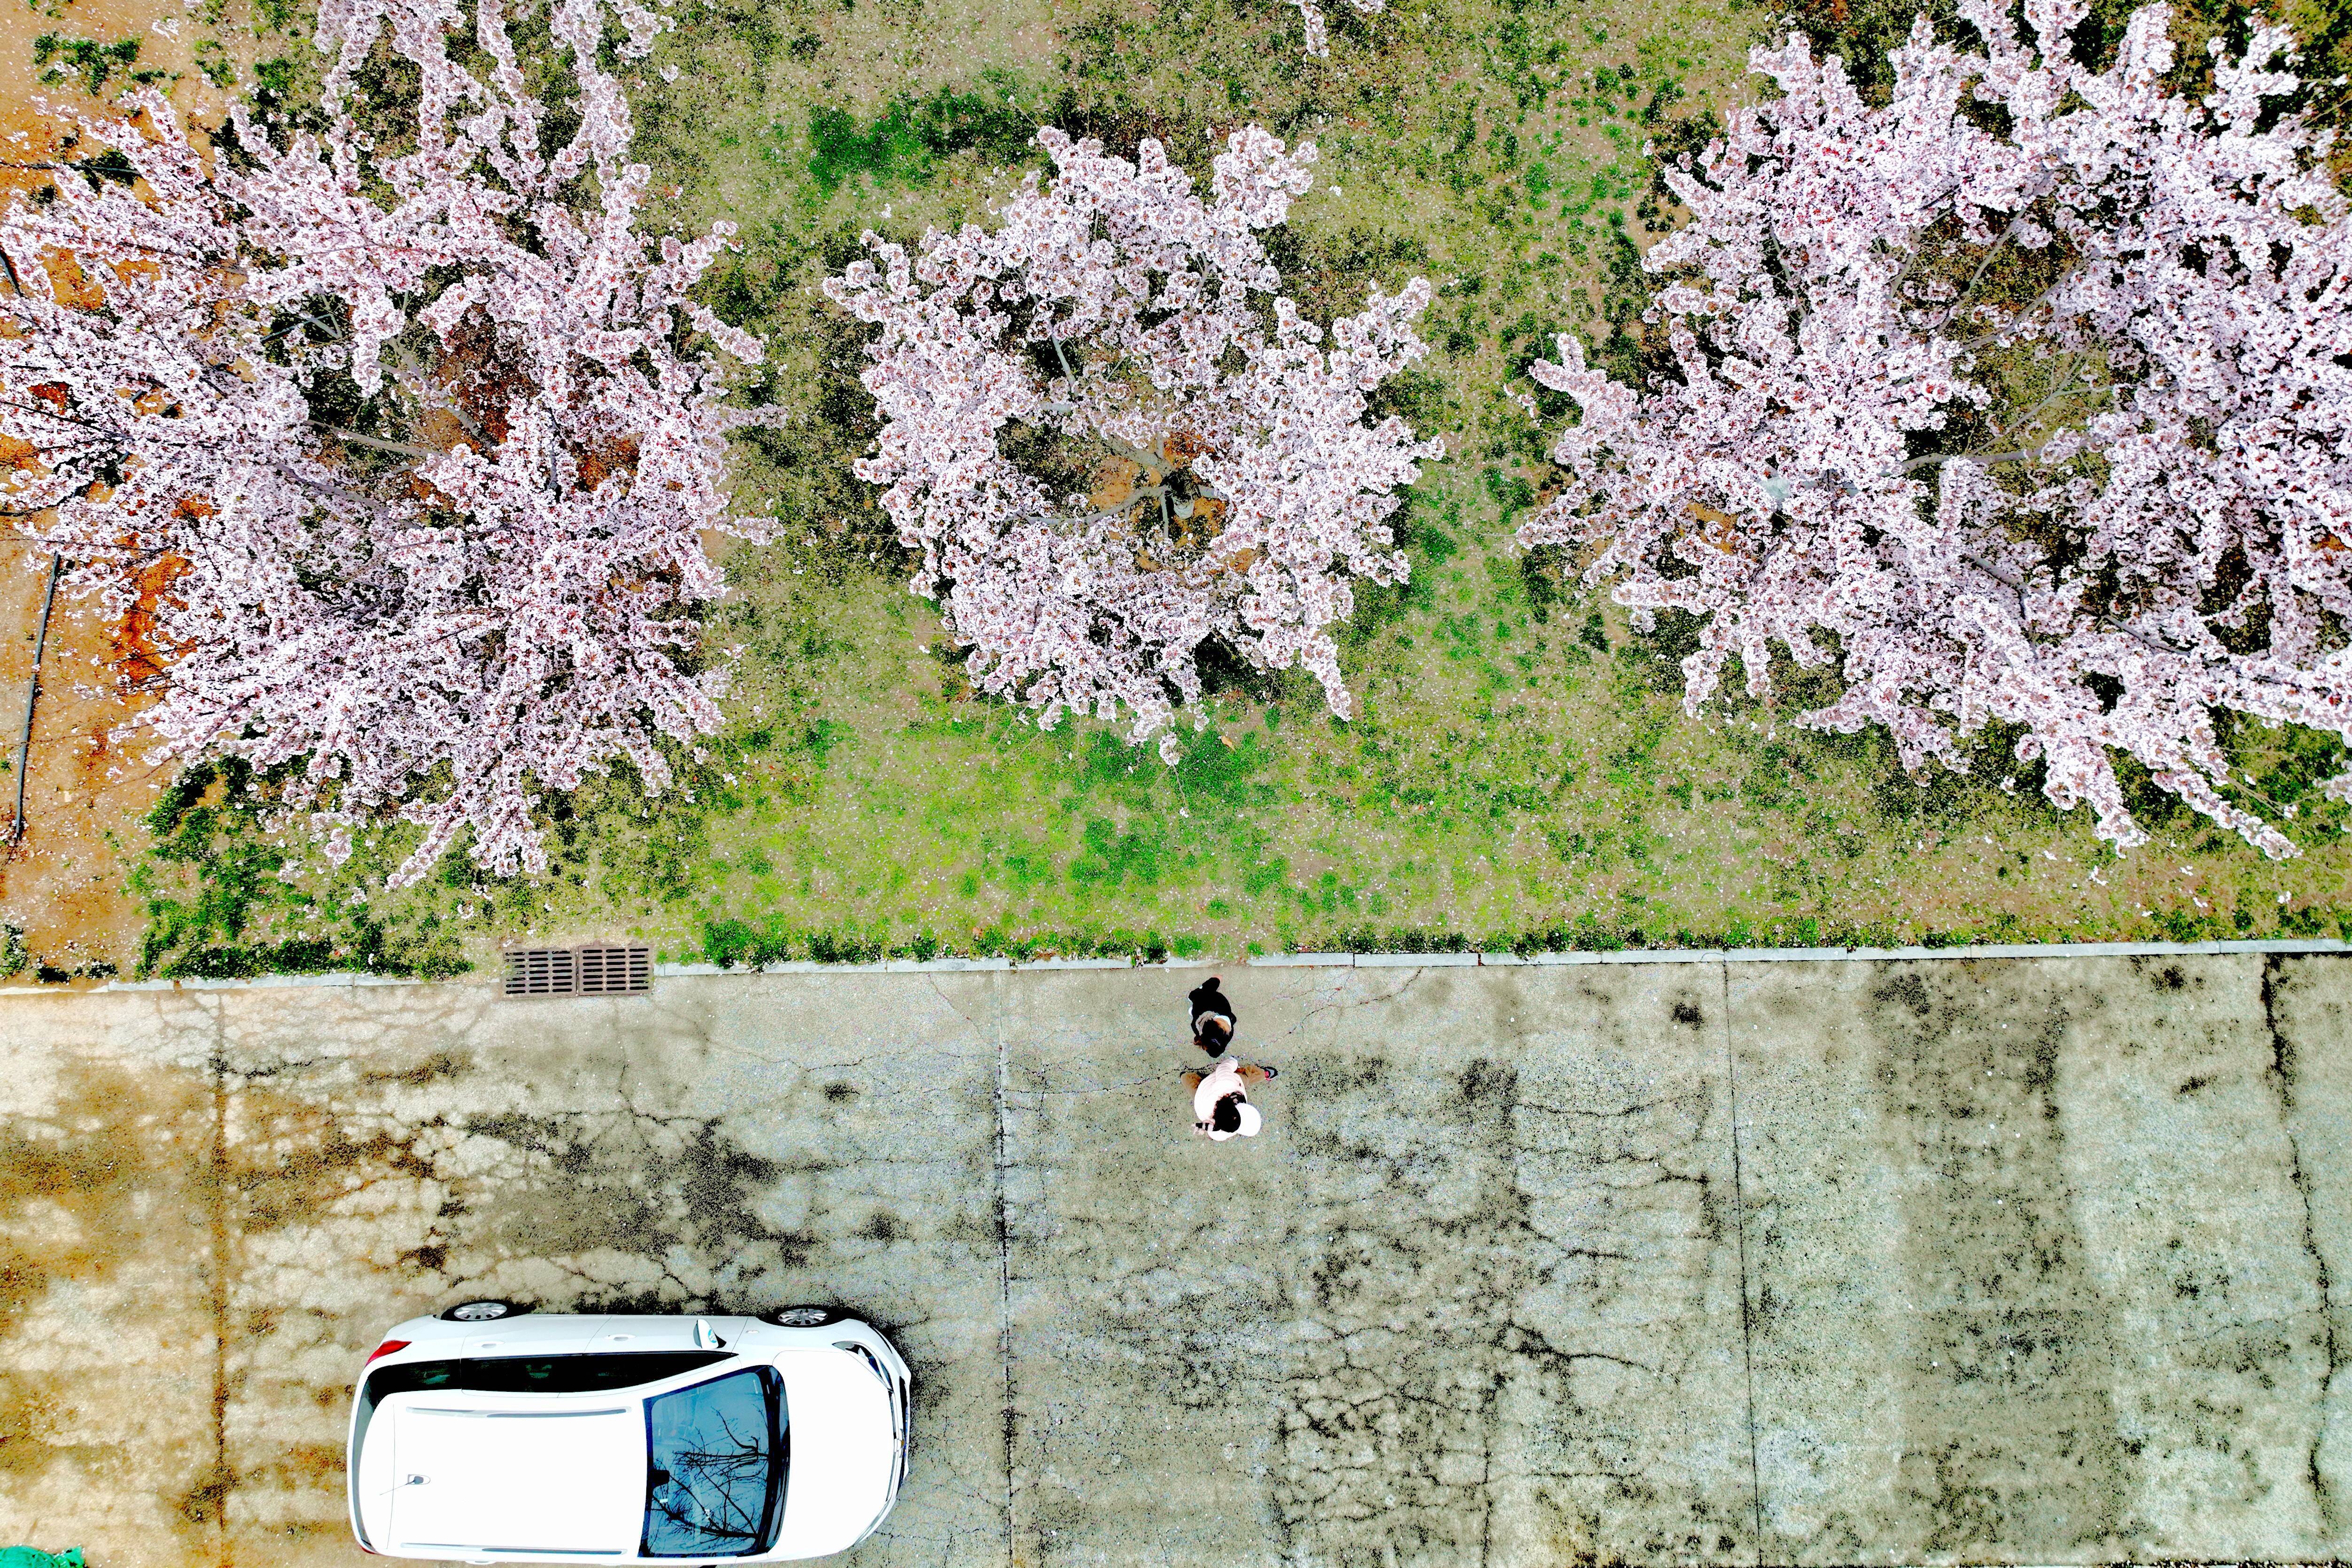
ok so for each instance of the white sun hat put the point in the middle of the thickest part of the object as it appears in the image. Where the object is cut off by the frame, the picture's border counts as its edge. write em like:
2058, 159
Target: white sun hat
1251, 1122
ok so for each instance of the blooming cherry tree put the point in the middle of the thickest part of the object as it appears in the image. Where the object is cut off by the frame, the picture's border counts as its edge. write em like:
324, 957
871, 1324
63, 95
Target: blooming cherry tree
1109, 440
398, 431
2036, 416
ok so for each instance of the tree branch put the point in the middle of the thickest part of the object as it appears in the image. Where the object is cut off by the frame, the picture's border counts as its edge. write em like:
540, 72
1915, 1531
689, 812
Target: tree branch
2017, 585
2033, 305
1978, 277
1933, 460
404, 449
409, 362
1139, 456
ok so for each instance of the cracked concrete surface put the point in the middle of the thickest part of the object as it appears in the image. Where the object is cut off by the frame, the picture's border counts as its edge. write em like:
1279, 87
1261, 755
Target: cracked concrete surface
1872, 1262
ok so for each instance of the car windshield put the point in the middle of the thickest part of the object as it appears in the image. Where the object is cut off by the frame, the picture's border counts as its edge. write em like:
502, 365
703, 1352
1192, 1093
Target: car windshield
715, 1457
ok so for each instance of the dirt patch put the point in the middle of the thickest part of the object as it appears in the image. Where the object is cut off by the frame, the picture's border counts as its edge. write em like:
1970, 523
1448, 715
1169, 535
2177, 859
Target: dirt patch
86, 788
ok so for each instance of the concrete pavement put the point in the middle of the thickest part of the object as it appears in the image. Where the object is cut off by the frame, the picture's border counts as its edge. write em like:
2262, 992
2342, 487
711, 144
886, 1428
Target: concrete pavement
1867, 1262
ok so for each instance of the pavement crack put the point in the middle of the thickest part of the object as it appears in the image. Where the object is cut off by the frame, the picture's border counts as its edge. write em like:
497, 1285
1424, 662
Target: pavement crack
1342, 1005
2283, 1076
937, 990
2240, 1326
1574, 1356
1739, 1221
214, 1488
1594, 1115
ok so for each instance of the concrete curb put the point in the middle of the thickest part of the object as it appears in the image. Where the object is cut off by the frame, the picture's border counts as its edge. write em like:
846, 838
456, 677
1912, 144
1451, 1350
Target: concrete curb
2313, 946
804, 966
1802, 954
334, 978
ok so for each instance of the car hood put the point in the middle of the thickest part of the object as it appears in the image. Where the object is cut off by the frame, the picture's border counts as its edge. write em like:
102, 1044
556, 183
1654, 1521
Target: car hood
844, 1454
548, 1480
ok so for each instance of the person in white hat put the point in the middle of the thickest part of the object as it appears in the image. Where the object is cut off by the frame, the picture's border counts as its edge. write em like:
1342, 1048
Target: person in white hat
1221, 1107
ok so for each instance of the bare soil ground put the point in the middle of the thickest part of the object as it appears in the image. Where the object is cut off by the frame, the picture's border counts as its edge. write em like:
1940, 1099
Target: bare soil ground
62, 886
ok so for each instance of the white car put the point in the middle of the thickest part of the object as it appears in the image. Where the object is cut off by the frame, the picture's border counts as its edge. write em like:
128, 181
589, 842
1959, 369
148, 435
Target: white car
492, 1434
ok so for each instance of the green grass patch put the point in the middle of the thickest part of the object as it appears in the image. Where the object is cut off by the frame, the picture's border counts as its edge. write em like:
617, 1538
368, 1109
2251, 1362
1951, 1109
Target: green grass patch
92, 64
220, 904
1519, 774
906, 142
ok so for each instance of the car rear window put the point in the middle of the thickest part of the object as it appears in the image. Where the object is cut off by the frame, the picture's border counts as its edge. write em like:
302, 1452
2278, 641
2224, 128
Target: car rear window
715, 1458
538, 1373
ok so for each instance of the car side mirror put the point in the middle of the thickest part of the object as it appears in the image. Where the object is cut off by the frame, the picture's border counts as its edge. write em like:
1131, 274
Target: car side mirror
706, 1338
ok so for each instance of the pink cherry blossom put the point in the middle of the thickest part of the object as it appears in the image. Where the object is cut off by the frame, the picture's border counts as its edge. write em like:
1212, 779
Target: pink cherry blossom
1109, 440
2043, 424
406, 449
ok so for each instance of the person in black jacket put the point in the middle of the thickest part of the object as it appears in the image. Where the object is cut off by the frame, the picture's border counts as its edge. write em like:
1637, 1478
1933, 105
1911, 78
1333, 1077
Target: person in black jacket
1212, 1018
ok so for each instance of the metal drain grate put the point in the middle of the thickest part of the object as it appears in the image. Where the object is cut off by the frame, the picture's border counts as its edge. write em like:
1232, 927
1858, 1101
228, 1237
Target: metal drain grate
597, 969
614, 969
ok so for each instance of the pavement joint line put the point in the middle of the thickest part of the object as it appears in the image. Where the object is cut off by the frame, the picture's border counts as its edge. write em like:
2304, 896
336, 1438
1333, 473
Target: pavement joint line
1010, 1416
2313, 946
1739, 1219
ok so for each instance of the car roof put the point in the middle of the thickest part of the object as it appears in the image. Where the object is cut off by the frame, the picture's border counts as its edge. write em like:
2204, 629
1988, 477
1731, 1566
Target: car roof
550, 1473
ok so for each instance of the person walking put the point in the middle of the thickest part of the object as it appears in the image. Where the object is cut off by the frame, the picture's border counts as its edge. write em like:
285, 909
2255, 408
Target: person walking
1212, 1018
1221, 1107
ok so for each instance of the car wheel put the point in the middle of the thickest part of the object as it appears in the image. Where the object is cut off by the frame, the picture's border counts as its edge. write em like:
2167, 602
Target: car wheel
800, 1317
488, 1311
